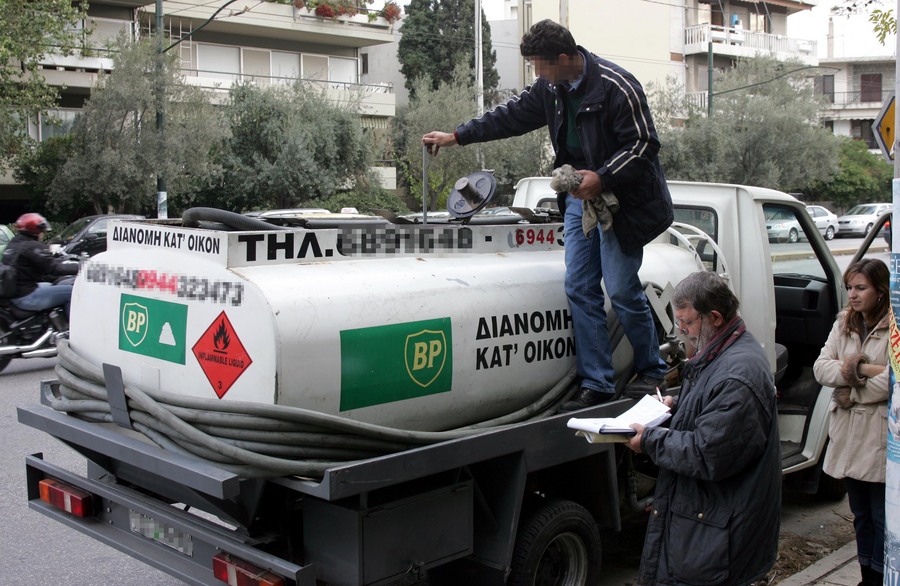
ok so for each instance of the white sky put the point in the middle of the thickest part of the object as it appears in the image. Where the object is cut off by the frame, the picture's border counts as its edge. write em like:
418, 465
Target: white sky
853, 36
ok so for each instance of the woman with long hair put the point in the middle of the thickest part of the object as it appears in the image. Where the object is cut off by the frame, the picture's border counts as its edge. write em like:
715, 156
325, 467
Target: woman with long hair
854, 363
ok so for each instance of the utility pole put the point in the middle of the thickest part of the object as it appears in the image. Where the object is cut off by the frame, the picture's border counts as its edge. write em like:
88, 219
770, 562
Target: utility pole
479, 76
162, 205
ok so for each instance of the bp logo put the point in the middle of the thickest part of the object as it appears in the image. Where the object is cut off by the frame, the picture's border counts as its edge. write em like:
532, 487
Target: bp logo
396, 362
151, 327
135, 323
425, 354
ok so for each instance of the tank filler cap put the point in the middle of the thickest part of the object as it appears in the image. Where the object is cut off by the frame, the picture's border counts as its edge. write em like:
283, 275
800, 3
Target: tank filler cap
471, 193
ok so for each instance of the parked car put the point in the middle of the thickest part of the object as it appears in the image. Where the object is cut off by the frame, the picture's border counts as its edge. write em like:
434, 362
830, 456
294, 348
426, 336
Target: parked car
860, 219
5, 236
86, 235
826, 221
782, 226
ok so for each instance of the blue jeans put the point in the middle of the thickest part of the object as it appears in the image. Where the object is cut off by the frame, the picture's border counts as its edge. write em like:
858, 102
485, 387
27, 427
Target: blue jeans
46, 296
588, 260
867, 505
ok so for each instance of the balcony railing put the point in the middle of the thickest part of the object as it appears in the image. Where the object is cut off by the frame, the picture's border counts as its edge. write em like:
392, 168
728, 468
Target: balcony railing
739, 42
857, 99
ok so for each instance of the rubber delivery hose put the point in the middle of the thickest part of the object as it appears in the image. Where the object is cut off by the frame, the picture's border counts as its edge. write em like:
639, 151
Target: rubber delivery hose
249, 439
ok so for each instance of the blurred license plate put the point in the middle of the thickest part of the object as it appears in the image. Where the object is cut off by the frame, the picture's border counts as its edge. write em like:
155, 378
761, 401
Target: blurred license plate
161, 533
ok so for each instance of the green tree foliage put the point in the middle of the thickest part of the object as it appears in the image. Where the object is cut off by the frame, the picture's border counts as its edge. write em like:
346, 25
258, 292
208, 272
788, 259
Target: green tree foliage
116, 149
29, 30
35, 170
444, 109
862, 177
763, 130
288, 145
438, 34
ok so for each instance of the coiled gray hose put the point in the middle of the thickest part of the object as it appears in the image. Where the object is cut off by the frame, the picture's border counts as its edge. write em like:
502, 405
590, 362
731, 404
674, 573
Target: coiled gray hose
256, 440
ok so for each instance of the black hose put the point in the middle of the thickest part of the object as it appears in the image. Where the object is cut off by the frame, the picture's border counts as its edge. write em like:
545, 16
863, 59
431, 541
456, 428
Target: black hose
191, 218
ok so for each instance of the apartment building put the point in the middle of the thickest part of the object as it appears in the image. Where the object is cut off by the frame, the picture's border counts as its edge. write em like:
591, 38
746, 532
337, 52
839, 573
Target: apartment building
658, 40
854, 92
265, 42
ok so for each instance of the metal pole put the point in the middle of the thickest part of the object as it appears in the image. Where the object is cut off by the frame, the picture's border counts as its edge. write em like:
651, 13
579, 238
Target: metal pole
892, 475
479, 76
162, 205
709, 76
425, 183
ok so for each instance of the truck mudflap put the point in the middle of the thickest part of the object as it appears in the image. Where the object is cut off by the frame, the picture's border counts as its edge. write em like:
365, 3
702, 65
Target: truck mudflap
164, 537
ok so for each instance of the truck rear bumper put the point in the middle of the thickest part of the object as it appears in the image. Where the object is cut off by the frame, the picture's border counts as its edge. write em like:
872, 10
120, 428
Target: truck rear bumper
121, 514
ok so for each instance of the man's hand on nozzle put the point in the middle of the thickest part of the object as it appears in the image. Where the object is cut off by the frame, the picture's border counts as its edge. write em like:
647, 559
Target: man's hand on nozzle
434, 140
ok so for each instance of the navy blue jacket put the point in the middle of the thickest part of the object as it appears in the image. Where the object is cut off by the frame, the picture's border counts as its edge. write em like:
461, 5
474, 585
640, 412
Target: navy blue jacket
617, 136
717, 503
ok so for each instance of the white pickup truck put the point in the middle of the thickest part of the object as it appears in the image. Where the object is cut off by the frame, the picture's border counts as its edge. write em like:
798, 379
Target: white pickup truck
354, 402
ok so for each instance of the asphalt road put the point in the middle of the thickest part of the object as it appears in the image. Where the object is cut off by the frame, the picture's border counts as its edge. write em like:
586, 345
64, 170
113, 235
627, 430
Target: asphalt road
35, 549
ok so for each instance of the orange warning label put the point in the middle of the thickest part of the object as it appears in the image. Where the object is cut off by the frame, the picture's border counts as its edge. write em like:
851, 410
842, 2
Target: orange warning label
221, 355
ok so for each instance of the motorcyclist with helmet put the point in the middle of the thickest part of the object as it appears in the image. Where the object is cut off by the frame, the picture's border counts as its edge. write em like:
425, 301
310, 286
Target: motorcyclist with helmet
34, 261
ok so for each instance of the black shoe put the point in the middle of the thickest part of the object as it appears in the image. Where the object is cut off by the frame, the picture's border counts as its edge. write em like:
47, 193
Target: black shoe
585, 398
644, 384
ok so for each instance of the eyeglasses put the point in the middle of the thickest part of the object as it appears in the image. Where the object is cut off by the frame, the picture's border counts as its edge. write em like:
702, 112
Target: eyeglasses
684, 325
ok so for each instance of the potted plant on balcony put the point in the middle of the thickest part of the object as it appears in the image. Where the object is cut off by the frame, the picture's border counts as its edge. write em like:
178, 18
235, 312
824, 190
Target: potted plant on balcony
391, 11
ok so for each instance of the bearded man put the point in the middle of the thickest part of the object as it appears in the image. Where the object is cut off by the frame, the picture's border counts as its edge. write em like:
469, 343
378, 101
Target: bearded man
715, 513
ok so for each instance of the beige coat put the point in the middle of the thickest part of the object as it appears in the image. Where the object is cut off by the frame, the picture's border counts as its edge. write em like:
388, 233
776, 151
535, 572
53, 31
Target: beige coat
858, 435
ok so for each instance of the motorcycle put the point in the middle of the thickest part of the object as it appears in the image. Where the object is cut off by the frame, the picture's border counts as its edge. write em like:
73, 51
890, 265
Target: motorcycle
31, 334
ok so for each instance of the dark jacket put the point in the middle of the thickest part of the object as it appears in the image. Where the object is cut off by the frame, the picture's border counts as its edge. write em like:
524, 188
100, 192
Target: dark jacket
717, 503
616, 133
34, 262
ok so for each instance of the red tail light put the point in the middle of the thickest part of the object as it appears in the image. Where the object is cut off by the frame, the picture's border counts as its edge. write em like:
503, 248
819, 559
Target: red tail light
67, 498
237, 572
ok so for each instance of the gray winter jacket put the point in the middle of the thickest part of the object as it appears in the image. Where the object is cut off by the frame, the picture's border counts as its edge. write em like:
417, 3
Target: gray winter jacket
716, 508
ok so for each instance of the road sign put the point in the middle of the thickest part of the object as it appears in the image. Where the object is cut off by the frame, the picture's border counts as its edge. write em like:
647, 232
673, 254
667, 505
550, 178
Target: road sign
883, 128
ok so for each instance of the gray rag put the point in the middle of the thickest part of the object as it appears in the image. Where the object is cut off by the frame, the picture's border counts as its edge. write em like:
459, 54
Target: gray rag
595, 211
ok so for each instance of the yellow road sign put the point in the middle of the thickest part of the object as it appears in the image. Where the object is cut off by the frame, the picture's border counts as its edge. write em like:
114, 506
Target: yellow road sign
883, 127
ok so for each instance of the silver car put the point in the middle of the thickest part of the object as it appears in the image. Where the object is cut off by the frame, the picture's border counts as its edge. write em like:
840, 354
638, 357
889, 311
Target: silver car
825, 221
782, 226
860, 219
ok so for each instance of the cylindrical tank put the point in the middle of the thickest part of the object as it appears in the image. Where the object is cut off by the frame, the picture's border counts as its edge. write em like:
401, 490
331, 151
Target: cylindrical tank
416, 341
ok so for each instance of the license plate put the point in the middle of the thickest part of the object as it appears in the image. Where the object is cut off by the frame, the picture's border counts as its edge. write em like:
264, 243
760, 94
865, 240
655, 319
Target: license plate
161, 533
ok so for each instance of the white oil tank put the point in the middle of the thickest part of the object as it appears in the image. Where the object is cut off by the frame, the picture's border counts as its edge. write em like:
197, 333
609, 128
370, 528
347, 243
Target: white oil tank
416, 327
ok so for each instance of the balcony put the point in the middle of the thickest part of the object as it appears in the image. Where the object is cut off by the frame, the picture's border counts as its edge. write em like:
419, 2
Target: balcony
855, 105
737, 42
267, 20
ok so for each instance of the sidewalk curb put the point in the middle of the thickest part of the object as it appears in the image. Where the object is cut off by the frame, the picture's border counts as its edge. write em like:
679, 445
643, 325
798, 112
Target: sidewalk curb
831, 564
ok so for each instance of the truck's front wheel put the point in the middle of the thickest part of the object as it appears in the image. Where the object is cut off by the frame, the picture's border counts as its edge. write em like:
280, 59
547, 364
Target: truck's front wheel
557, 544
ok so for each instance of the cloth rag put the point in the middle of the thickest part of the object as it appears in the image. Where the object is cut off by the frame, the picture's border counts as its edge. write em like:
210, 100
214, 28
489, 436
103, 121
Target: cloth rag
596, 211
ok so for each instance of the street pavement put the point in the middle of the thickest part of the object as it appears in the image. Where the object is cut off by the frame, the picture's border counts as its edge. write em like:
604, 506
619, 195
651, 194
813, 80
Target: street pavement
836, 569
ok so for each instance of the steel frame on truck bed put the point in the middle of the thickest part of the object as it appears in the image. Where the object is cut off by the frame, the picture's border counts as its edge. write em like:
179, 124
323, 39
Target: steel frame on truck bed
454, 504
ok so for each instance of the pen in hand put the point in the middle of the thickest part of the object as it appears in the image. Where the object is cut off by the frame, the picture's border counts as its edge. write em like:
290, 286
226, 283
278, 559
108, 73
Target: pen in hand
659, 395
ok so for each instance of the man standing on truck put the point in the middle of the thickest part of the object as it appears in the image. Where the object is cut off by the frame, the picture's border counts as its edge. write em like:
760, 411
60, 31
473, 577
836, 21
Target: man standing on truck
715, 512
600, 124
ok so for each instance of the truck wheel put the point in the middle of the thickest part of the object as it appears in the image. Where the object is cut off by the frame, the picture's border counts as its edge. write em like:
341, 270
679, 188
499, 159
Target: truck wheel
557, 544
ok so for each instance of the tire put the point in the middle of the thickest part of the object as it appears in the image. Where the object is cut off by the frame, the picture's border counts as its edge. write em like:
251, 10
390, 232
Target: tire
558, 544
866, 233
6, 338
829, 233
793, 236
